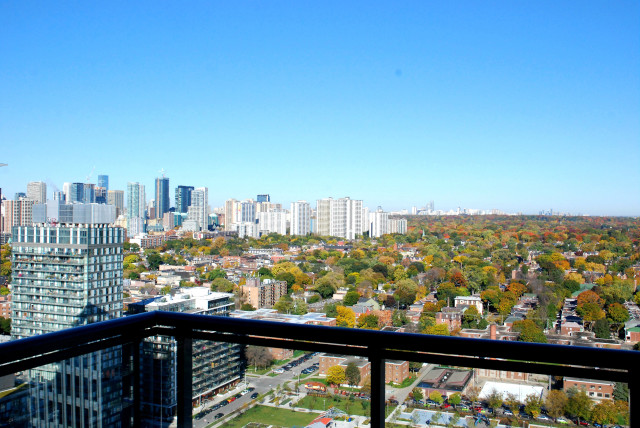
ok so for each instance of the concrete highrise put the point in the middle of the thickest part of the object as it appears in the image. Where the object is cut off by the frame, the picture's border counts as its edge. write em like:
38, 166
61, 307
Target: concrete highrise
66, 276
341, 218
230, 212
198, 210
37, 191
116, 197
163, 203
300, 218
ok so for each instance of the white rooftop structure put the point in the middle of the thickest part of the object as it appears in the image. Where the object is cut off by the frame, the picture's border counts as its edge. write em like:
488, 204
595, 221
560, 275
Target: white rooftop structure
519, 390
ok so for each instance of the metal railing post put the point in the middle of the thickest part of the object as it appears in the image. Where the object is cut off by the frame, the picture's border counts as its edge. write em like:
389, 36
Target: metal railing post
377, 390
634, 396
184, 375
135, 354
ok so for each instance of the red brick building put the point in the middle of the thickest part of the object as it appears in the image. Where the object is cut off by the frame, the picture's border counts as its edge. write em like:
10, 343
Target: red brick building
595, 389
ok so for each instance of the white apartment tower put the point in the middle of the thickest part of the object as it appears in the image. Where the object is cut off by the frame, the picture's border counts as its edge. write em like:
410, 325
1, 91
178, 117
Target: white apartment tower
379, 223
230, 210
273, 221
300, 218
198, 210
37, 191
340, 217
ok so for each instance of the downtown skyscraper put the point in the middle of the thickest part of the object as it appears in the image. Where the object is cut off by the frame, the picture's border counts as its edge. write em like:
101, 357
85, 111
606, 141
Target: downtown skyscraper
163, 203
136, 206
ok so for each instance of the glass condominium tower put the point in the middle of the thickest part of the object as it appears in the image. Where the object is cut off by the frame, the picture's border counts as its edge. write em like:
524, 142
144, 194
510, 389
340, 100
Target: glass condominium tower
66, 275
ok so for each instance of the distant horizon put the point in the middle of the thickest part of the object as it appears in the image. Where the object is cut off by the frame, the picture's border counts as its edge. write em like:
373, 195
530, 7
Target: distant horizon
150, 190
516, 106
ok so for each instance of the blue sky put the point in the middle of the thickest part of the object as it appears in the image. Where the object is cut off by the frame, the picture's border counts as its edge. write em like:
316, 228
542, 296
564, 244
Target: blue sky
519, 106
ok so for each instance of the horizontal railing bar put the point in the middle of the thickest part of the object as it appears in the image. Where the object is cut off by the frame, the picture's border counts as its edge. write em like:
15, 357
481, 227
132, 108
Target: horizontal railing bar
508, 350
508, 365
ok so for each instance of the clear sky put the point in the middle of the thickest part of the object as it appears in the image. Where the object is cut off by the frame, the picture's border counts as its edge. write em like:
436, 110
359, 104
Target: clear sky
515, 105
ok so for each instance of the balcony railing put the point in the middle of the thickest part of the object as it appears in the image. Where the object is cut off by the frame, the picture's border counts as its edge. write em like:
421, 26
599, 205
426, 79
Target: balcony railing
377, 346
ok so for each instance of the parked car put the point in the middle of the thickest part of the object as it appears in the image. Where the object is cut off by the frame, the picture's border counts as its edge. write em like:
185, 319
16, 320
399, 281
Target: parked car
280, 370
254, 395
218, 415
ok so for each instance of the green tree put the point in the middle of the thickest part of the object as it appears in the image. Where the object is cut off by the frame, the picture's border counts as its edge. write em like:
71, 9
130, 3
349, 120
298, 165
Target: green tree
247, 307
5, 325
604, 412
494, 399
436, 396
601, 329
336, 375
352, 374
222, 285
154, 260
406, 291
529, 331
351, 298
556, 402
417, 394
579, 403
216, 273
399, 318
533, 405
455, 399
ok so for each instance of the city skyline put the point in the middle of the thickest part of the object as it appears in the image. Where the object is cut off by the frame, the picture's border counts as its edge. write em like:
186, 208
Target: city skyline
517, 107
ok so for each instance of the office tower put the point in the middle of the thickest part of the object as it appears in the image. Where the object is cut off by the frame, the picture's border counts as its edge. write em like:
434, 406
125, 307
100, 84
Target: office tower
263, 198
216, 365
37, 191
230, 211
66, 276
183, 198
20, 195
300, 218
101, 195
59, 196
198, 210
274, 221
430, 206
76, 193
162, 197
379, 223
116, 197
103, 181
339, 217
136, 203
89, 193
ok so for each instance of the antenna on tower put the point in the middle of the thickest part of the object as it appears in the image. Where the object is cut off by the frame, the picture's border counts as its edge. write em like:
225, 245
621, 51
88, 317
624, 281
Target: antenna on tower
162, 171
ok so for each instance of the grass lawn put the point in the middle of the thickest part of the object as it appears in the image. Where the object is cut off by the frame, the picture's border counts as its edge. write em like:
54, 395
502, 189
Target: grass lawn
319, 403
271, 415
252, 370
407, 382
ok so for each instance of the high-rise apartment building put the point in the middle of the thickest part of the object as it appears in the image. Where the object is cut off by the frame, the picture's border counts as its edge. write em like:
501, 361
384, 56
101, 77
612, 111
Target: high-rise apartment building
67, 275
215, 364
136, 203
273, 221
230, 212
300, 218
116, 197
162, 197
263, 293
37, 191
183, 198
103, 181
246, 211
378, 223
17, 213
339, 217
263, 198
198, 210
